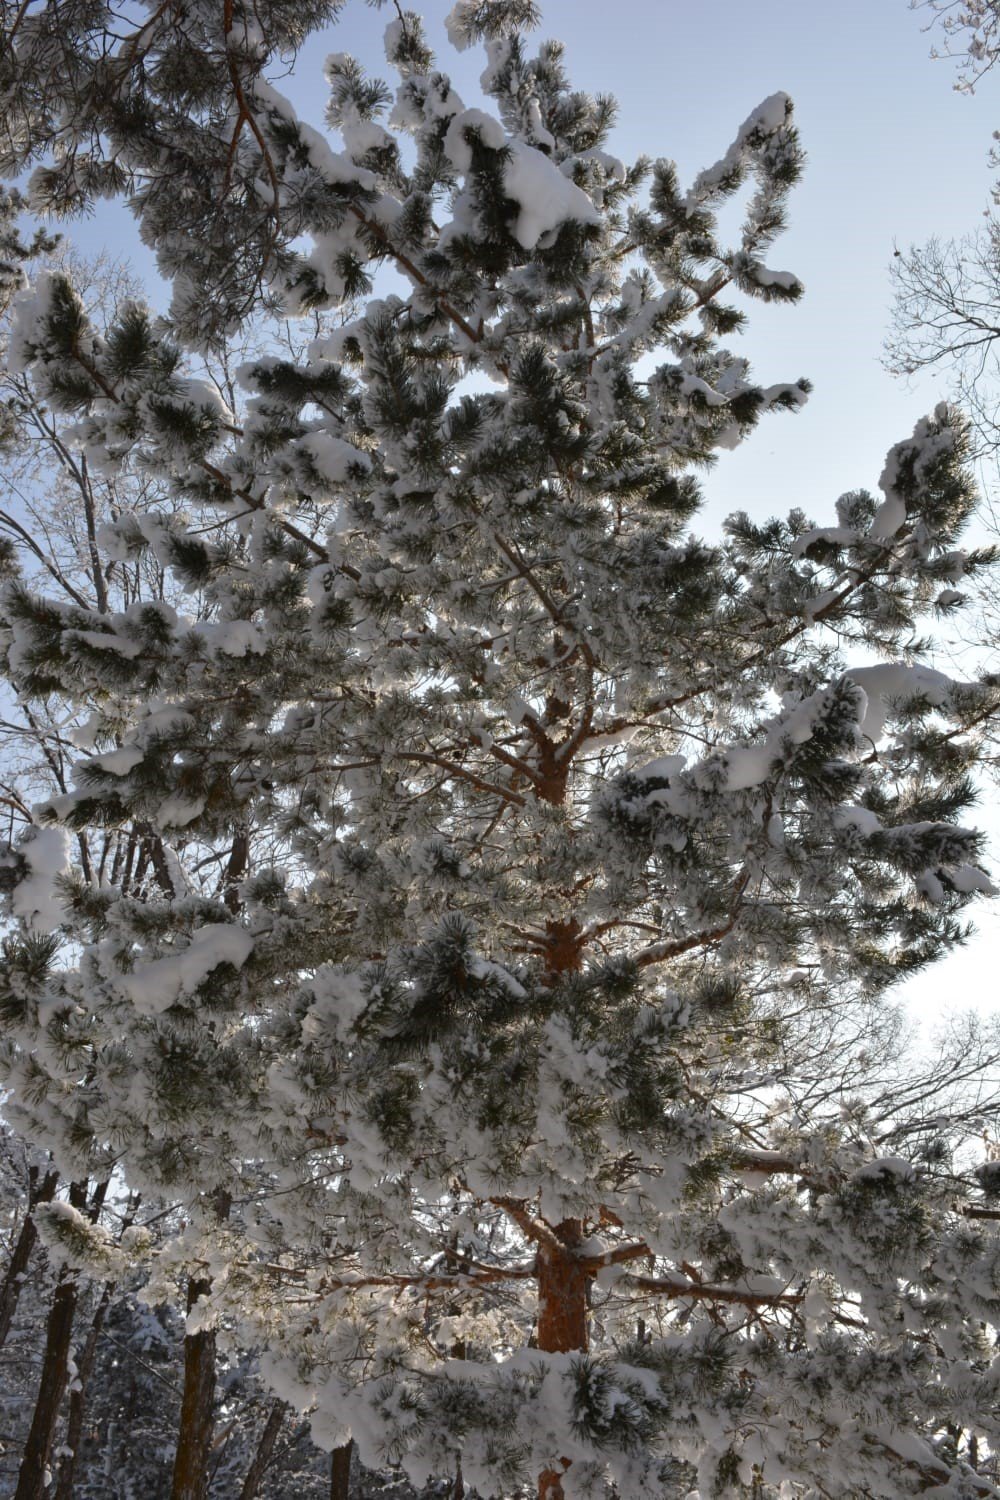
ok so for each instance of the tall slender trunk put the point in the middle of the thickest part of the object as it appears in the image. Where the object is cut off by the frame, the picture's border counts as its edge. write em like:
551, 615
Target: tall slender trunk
77, 1399
194, 1433
85, 1360
32, 1475
340, 1472
13, 1278
265, 1448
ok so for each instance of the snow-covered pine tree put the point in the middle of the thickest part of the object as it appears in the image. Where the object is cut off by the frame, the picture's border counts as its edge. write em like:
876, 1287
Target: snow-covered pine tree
113, 1436
534, 1044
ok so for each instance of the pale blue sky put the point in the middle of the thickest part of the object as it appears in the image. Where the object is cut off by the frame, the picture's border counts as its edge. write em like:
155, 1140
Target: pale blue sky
895, 157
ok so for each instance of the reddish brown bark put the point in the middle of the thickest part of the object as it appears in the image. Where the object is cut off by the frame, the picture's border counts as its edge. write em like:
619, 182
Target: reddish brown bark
562, 1314
563, 1279
562, 1293
194, 1432
564, 947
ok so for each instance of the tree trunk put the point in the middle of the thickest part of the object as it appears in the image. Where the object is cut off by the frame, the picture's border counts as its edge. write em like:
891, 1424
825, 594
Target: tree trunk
85, 1362
340, 1472
194, 1433
13, 1280
77, 1398
31, 1479
563, 1285
265, 1449
562, 1316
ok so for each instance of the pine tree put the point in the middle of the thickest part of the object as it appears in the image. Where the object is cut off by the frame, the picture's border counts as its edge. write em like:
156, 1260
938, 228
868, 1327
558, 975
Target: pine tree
109, 1415
534, 1035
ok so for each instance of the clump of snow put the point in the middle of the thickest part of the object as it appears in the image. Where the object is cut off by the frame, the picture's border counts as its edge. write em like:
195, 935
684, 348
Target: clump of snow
71, 1239
931, 439
31, 308
456, 146
498, 50
749, 765
693, 385
361, 136
340, 998
334, 459
392, 39
458, 23
34, 899
664, 766
612, 166
895, 679
968, 878
232, 637
886, 1167
103, 640
84, 735
931, 887
204, 395
119, 762
331, 345
547, 198
155, 986
334, 167
861, 818
178, 812
785, 279
239, 638
484, 968
812, 608
840, 536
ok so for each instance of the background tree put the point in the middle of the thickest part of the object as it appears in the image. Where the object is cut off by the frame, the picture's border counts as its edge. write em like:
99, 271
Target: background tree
946, 306
111, 1423
971, 32
947, 293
